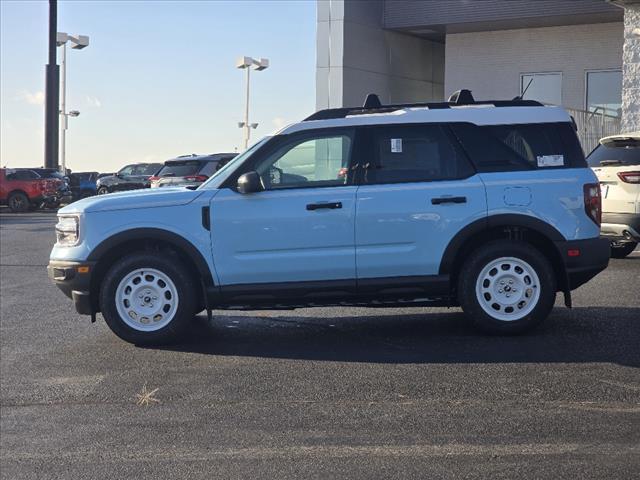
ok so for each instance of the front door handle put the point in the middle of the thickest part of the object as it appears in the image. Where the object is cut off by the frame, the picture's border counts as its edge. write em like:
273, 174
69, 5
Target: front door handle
440, 200
318, 206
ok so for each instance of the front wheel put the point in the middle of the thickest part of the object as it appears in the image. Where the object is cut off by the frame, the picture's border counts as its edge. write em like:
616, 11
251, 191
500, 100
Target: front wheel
506, 287
148, 299
102, 191
18, 202
621, 250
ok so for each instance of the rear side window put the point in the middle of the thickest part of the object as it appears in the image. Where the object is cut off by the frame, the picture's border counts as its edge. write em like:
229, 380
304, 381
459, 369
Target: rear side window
209, 168
414, 153
23, 175
615, 154
180, 169
520, 147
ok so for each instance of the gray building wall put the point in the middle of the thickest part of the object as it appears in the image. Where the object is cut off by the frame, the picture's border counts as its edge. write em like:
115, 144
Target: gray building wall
631, 70
356, 56
490, 63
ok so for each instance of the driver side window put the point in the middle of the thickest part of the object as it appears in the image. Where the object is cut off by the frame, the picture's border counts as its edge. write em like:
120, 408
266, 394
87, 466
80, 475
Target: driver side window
313, 162
126, 171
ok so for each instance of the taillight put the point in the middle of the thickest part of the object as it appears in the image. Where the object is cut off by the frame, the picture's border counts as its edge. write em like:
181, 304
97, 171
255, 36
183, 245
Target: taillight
196, 178
629, 177
593, 202
154, 178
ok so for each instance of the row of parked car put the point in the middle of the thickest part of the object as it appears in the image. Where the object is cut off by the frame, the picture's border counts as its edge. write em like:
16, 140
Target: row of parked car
25, 189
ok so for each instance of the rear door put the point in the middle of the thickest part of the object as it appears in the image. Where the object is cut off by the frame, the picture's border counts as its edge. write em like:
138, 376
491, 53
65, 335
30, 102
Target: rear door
301, 227
417, 191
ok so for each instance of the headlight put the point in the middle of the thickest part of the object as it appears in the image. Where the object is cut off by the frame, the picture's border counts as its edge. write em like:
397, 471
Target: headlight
67, 231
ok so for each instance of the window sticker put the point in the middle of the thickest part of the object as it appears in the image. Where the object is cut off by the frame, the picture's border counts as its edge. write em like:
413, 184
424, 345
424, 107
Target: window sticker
396, 145
550, 160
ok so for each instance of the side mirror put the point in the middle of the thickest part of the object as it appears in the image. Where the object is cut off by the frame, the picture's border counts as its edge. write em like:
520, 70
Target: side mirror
250, 182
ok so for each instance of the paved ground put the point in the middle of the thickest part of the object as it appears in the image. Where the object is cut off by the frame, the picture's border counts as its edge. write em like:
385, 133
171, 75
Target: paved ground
325, 393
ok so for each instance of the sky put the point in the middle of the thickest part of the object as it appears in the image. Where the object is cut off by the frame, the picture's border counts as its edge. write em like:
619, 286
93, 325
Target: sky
158, 79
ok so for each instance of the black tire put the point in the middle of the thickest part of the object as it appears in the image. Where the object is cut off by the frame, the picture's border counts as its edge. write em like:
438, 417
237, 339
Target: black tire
186, 286
621, 250
102, 191
472, 268
18, 202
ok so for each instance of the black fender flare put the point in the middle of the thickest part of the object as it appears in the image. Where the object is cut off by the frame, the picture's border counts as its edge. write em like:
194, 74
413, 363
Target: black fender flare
488, 223
156, 234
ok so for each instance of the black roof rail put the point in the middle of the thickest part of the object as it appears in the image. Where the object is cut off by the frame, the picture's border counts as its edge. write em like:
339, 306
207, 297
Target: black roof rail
372, 104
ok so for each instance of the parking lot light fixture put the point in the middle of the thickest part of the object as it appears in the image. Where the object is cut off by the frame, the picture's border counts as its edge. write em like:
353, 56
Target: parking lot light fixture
248, 63
77, 42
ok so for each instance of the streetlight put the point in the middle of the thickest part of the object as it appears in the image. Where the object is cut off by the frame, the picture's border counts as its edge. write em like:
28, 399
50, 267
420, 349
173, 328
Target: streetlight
78, 42
248, 63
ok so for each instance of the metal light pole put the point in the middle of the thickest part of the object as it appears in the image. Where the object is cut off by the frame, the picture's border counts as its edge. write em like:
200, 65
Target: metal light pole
52, 92
248, 63
78, 42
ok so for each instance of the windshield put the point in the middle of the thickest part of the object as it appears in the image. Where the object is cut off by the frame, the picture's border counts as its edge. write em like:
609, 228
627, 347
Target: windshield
179, 169
623, 152
229, 167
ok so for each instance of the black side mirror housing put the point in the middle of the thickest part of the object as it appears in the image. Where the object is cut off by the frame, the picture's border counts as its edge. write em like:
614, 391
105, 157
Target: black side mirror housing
250, 182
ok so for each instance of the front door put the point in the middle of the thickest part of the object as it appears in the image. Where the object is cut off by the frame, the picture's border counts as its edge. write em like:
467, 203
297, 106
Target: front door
301, 227
417, 192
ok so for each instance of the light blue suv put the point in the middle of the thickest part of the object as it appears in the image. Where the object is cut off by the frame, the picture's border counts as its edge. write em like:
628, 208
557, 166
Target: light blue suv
486, 205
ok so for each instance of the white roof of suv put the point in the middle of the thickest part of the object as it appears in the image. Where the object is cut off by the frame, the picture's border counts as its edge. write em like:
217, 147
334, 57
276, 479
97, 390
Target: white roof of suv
461, 107
621, 136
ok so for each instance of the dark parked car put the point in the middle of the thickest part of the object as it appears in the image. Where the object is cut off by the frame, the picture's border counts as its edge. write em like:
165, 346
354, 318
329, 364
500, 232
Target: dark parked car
131, 177
83, 184
189, 170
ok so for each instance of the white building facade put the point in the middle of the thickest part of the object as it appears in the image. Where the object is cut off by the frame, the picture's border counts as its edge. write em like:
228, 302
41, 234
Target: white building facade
583, 55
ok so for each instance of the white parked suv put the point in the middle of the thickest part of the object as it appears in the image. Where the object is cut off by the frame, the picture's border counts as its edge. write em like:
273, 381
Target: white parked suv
616, 162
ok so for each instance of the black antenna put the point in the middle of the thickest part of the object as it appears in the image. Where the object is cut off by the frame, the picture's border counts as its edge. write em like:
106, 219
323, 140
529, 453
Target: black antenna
521, 96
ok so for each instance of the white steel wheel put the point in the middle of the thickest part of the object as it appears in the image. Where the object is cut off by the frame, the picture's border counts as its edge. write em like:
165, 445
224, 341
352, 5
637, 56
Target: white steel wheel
508, 289
146, 299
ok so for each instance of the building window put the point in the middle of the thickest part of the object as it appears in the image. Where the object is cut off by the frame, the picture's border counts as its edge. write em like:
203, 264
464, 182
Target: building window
543, 87
604, 92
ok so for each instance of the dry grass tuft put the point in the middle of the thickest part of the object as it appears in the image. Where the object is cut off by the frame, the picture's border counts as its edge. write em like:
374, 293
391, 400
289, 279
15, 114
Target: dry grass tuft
146, 397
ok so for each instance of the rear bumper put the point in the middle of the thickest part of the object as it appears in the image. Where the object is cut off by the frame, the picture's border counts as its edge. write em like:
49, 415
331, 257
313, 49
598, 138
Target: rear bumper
74, 284
584, 259
621, 226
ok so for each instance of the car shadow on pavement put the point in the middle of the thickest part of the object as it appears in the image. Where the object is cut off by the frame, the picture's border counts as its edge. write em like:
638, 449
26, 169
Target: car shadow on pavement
595, 334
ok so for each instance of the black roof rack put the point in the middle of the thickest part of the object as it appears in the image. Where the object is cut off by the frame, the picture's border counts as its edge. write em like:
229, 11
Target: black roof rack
372, 104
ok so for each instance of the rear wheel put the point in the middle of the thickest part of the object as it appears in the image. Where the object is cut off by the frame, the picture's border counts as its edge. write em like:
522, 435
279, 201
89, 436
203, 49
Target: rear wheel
147, 299
621, 250
18, 202
506, 287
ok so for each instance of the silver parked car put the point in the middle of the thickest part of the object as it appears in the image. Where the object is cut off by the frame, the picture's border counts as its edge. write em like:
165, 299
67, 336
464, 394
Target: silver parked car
189, 170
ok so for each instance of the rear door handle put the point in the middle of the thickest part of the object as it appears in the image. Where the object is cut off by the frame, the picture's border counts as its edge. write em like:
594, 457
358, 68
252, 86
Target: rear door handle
318, 206
439, 200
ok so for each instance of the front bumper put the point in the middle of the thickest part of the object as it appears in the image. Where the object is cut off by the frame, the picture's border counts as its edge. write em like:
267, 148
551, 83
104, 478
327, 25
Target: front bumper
74, 279
621, 226
584, 259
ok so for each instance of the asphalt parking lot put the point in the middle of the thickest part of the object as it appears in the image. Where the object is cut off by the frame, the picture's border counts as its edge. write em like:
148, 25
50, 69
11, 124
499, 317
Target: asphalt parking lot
315, 393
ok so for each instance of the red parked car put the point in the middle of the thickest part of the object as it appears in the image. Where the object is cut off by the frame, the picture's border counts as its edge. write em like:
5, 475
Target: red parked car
23, 189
